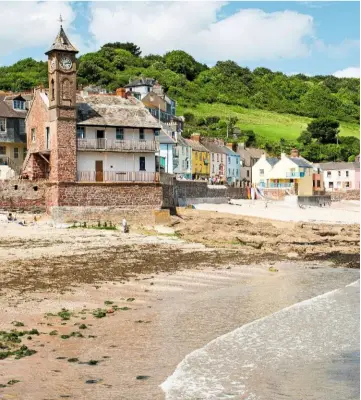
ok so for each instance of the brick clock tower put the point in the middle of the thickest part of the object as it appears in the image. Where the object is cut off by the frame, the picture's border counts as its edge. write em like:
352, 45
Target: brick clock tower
62, 108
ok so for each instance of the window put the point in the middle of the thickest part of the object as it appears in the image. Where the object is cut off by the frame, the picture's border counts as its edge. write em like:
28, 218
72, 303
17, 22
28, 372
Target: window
229, 160
119, 134
261, 172
141, 134
2, 150
141, 163
33, 135
229, 171
24, 152
318, 183
233, 172
16, 152
2, 125
213, 168
156, 132
347, 184
19, 104
52, 90
339, 173
80, 132
328, 174
247, 173
217, 157
47, 137
330, 185
22, 126
347, 173
213, 157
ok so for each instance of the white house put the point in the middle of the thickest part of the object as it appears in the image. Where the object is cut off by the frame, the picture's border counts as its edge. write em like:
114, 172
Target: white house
341, 175
140, 87
116, 139
261, 170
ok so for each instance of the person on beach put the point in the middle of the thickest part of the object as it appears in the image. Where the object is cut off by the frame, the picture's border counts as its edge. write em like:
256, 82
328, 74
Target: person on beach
125, 226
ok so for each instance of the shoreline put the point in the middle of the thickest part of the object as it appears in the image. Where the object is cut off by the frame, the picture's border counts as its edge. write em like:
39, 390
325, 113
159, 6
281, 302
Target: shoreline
170, 297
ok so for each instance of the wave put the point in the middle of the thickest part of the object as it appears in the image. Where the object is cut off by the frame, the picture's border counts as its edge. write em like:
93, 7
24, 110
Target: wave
299, 334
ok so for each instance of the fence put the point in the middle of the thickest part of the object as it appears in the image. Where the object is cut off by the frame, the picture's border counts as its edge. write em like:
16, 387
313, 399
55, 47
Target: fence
116, 176
117, 145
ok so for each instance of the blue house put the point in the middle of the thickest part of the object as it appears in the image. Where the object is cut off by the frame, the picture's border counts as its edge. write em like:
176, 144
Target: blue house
233, 167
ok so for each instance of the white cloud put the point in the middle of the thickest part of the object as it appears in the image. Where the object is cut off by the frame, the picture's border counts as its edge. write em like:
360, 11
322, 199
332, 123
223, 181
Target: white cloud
249, 34
337, 50
29, 24
350, 72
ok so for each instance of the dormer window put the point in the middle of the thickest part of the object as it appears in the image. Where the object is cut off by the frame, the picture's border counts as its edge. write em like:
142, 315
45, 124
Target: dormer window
19, 104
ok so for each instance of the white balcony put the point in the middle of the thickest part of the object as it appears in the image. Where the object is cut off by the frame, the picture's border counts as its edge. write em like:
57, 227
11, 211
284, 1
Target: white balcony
117, 176
117, 145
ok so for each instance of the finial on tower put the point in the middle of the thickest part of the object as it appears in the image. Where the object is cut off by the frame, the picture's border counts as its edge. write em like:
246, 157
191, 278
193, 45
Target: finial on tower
61, 20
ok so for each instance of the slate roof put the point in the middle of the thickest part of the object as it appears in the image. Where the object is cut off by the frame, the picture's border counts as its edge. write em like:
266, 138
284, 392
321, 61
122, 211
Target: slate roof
196, 145
109, 110
214, 147
181, 141
272, 161
301, 162
255, 153
230, 152
339, 165
6, 107
62, 43
141, 82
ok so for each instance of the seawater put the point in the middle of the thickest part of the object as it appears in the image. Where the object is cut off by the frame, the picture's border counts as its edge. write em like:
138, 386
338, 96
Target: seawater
309, 350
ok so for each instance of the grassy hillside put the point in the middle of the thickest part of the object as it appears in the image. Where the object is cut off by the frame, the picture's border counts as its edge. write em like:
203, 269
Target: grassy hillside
266, 124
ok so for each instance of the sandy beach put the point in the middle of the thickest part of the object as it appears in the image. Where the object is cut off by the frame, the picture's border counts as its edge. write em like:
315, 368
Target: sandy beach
116, 313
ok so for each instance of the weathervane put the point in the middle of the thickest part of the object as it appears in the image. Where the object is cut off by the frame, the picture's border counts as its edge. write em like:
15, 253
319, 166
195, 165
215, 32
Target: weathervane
61, 20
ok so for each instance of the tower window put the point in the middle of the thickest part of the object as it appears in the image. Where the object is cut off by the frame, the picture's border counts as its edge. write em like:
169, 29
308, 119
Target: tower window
52, 90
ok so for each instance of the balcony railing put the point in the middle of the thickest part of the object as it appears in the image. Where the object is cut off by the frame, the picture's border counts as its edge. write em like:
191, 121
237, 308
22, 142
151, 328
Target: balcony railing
295, 174
118, 145
116, 176
11, 137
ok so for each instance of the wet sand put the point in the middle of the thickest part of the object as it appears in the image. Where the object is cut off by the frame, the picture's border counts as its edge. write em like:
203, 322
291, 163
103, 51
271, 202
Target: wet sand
179, 297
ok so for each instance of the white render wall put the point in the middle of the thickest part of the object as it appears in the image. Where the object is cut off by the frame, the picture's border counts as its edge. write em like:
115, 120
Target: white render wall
114, 161
257, 177
166, 151
143, 90
339, 182
110, 133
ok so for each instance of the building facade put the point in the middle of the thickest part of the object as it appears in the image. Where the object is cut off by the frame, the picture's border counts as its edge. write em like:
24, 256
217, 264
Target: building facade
182, 158
13, 110
218, 159
81, 137
200, 158
341, 176
248, 158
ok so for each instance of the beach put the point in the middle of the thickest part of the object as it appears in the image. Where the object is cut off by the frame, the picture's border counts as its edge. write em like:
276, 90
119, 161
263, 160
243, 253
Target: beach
148, 299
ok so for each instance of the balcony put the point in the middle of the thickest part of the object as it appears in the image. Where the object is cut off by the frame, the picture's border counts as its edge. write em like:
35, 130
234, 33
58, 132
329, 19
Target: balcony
116, 176
117, 145
295, 174
11, 137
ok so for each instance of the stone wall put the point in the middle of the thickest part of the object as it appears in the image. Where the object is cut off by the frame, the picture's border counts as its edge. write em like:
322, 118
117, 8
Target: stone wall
316, 201
23, 195
349, 195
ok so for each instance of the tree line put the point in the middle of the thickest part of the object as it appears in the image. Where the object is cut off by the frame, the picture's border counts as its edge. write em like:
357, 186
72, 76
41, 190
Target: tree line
191, 82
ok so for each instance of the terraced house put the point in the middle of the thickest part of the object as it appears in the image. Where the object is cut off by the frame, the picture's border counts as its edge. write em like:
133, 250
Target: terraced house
200, 158
13, 110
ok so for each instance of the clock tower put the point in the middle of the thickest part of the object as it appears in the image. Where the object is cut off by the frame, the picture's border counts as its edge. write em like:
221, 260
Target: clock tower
62, 108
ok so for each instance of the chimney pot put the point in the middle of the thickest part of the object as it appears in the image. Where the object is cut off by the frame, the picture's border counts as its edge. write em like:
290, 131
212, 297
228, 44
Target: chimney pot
295, 153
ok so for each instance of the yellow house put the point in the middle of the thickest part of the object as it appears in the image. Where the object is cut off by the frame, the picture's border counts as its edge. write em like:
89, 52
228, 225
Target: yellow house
200, 158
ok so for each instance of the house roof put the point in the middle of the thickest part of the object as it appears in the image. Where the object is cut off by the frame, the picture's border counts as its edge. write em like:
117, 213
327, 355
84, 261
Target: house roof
339, 165
301, 162
214, 147
195, 145
62, 43
141, 82
255, 153
181, 141
272, 161
7, 110
230, 152
109, 110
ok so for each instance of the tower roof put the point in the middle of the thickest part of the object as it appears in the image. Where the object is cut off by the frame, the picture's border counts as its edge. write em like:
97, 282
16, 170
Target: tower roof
62, 43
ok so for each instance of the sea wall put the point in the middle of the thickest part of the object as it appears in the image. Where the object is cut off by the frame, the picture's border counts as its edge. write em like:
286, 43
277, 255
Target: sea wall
348, 195
316, 201
23, 195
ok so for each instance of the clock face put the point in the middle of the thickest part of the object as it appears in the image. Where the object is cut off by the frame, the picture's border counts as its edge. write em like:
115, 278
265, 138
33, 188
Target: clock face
66, 63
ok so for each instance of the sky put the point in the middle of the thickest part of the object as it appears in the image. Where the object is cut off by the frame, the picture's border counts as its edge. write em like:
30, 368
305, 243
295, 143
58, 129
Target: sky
313, 38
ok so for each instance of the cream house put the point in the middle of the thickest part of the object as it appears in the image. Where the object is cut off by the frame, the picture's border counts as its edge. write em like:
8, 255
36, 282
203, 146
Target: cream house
287, 172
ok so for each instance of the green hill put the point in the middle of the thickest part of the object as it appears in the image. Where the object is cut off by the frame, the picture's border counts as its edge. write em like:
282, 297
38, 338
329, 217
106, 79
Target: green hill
268, 125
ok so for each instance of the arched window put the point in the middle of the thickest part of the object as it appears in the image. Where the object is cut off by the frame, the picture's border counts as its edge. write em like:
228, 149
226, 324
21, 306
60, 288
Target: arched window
52, 90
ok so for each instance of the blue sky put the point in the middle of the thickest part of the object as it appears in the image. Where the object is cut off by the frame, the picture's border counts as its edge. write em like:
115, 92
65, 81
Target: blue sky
292, 37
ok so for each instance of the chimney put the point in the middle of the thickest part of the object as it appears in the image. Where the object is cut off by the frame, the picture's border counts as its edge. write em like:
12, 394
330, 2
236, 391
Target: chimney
241, 145
283, 155
196, 137
294, 153
120, 92
230, 145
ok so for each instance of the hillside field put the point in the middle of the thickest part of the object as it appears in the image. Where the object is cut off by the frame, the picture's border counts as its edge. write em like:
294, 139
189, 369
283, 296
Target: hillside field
266, 124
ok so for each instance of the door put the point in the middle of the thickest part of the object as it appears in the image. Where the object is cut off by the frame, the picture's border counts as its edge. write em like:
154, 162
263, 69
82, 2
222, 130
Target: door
100, 140
99, 171
142, 163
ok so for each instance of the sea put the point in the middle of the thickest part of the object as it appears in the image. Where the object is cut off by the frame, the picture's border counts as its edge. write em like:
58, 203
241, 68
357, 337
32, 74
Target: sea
310, 350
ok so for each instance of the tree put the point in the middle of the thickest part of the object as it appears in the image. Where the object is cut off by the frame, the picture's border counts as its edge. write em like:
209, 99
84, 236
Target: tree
131, 47
305, 138
182, 63
325, 130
